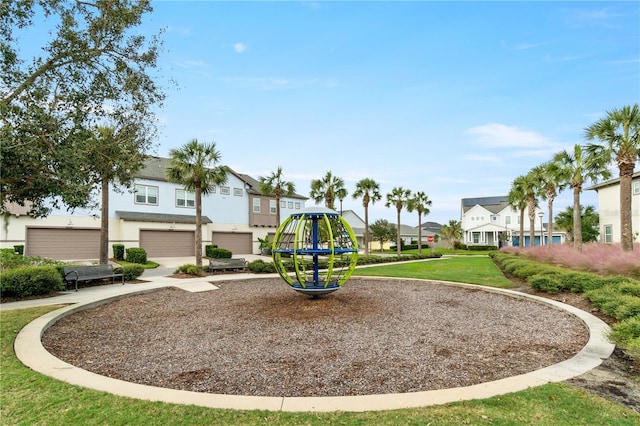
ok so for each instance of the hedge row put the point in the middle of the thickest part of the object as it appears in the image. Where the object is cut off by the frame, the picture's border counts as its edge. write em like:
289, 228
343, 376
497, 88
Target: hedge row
260, 266
617, 296
41, 280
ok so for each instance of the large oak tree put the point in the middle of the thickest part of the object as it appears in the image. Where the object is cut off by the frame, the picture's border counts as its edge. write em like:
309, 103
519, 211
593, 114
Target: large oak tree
95, 69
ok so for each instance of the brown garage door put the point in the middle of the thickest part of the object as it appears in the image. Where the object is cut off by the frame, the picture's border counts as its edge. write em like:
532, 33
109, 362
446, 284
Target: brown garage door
168, 243
237, 242
63, 243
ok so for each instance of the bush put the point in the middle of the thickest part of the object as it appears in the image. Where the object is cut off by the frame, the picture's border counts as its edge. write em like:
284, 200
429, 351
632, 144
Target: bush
549, 281
30, 281
626, 334
137, 255
10, 260
219, 253
457, 245
19, 249
130, 272
118, 251
208, 249
259, 266
191, 269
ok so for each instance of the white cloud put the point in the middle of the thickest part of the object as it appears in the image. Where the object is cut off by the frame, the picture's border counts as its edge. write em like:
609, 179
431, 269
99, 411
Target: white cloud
240, 47
497, 135
493, 159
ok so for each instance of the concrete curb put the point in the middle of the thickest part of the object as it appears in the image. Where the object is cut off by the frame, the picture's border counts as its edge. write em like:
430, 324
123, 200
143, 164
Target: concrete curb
29, 349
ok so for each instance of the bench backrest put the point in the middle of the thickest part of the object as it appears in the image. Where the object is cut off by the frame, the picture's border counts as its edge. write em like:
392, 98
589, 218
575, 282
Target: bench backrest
90, 270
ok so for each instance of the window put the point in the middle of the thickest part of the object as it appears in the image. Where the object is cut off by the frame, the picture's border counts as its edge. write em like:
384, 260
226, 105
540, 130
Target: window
225, 190
256, 205
507, 220
237, 192
298, 206
290, 204
146, 195
272, 206
185, 198
283, 204
636, 187
476, 237
608, 233
494, 218
213, 189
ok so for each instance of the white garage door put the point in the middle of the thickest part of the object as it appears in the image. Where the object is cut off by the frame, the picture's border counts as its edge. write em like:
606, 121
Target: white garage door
237, 242
63, 243
168, 243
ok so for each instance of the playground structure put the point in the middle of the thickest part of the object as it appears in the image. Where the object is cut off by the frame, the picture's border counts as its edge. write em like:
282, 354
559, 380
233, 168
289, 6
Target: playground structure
315, 251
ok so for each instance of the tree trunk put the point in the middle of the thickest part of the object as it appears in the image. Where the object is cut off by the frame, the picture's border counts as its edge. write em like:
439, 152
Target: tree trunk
531, 206
398, 248
104, 223
198, 226
550, 230
577, 218
419, 232
626, 226
521, 242
365, 238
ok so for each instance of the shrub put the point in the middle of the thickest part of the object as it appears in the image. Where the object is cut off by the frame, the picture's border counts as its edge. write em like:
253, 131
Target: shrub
19, 249
457, 245
626, 335
118, 251
191, 269
130, 272
10, 260
137, 255
548, 281
219, 253
30, 281
259, 266
208, 249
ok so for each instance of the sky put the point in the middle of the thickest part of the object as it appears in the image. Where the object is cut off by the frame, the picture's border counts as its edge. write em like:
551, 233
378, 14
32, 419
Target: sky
455, 99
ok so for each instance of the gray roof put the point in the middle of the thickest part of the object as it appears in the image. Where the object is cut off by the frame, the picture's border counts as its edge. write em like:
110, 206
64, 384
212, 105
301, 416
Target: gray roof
493, 204
160, 217
155, 169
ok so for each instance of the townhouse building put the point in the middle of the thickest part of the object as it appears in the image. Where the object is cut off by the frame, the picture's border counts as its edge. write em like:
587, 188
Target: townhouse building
156, 215
492, 221
609, 209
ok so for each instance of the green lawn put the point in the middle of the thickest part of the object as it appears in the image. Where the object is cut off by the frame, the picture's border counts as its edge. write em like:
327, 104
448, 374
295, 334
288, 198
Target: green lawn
29, 398
473, 270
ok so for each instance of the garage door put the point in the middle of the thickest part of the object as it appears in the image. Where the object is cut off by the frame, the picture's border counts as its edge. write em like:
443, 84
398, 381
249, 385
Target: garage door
168, 243
237, 242
63, 243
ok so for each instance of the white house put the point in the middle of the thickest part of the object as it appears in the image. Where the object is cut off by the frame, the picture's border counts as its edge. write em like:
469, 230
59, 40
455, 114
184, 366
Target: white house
156, 215
609, 209
492, 221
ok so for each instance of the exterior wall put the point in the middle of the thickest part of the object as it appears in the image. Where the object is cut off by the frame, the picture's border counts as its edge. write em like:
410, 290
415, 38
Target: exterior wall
609, 210
229, 213
482, 227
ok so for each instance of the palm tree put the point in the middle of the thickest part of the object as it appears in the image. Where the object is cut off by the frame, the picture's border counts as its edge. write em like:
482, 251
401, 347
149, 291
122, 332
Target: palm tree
369, 191
619, 133
398, 197
195, 166
517, 199
275, 186
341, 194
452, 231
420, 203
589, 222
116, 155
550, 181
574, 170
326, 189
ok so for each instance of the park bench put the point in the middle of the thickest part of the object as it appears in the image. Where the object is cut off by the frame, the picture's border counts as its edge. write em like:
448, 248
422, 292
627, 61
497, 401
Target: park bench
77, 274
227, 264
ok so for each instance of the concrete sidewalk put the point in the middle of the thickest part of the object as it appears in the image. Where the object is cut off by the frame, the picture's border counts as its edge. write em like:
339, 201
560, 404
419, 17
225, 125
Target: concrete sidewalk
29, 349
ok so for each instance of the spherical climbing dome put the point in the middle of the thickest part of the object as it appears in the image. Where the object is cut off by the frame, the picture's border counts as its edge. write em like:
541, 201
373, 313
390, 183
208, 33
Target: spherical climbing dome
315, 251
